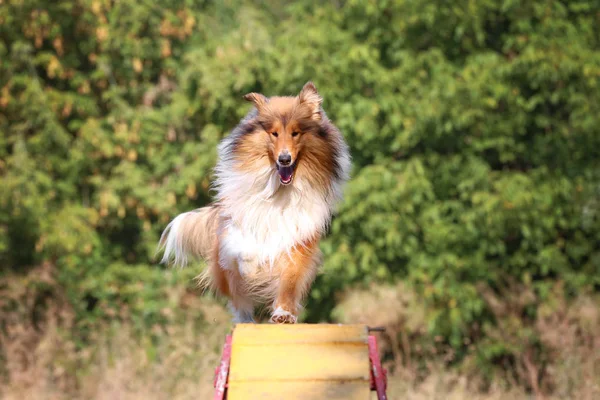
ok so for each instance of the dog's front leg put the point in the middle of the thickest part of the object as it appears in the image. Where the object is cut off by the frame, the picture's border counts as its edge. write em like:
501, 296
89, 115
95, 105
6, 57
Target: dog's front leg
297, 272
227, 278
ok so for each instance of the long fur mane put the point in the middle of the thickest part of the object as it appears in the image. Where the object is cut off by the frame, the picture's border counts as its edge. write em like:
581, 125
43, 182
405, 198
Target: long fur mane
263, 215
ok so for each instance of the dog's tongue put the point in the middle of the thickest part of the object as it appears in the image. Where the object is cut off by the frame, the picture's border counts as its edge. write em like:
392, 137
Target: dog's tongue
286, 174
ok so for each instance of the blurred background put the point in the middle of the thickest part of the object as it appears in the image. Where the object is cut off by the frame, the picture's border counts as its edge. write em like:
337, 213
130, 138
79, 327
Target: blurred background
470, 228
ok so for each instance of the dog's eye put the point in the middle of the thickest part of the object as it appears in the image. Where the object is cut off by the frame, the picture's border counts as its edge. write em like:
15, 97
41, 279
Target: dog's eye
294, 133
275, 134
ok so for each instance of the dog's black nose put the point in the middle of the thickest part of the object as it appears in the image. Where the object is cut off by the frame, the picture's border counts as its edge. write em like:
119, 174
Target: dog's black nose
285, 159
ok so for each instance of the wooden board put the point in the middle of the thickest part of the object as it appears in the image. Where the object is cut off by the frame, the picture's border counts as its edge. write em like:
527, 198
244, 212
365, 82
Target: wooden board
299, 362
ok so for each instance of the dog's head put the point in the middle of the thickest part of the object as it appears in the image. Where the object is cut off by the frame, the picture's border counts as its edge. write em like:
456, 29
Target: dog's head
287, 125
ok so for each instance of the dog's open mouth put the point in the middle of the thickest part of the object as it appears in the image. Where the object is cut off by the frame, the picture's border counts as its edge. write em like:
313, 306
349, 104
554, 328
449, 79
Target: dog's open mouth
286, 174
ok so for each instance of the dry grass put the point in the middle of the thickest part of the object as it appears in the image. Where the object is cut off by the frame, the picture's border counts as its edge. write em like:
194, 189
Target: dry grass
442, 384
568, 367
39, 359
120, 366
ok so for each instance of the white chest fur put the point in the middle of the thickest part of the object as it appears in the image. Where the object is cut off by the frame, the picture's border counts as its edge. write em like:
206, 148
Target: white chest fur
261, 225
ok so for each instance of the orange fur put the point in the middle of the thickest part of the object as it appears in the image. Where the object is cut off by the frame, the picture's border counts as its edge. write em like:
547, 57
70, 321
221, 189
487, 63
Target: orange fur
286, 116
297, 272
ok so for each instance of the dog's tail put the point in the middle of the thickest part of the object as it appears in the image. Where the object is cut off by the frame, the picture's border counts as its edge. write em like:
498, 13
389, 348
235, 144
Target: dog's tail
191, 234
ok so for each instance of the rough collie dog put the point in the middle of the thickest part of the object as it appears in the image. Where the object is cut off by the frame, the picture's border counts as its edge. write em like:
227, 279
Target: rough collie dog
278, 176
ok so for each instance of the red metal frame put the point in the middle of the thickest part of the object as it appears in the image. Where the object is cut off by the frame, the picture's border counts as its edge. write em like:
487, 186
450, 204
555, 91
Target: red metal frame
378, 374
222, 371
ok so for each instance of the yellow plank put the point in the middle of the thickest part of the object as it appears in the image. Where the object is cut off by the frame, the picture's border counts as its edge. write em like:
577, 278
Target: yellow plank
299, 361
309, 390
246, 334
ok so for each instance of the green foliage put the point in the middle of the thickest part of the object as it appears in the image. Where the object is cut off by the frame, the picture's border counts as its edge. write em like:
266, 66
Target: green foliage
474, 128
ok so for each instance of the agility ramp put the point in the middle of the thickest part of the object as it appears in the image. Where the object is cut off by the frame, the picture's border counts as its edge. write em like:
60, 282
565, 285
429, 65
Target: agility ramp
301, 361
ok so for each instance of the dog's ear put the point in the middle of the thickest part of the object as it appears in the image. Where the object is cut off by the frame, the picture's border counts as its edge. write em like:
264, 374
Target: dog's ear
258, 99
309, 96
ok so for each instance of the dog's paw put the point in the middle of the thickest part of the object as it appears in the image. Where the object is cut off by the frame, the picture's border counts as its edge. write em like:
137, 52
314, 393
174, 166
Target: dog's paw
280, 316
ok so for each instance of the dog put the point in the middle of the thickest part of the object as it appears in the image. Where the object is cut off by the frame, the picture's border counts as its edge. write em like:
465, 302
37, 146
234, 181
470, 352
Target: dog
279, 175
